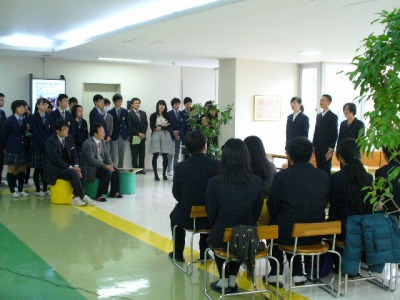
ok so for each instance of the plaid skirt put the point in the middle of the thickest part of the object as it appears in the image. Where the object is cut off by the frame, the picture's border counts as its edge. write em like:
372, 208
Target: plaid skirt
37, 160
12, 159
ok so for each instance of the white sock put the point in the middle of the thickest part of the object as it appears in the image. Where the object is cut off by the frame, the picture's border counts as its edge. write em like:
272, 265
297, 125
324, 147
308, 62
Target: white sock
219, 283
232, 281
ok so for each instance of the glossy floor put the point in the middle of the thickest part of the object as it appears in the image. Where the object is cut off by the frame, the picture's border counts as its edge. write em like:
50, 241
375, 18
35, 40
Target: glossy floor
116, 250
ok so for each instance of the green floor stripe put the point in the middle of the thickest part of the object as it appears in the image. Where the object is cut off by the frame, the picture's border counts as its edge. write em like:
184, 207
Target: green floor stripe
24, 275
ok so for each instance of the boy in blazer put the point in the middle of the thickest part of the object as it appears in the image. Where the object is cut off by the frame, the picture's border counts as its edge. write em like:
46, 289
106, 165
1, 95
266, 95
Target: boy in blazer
63, 163
62, 113
325, 135
177, 120
139, 126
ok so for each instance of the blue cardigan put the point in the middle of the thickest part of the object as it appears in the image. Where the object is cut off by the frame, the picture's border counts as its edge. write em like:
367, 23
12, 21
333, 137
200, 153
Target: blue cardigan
378, 235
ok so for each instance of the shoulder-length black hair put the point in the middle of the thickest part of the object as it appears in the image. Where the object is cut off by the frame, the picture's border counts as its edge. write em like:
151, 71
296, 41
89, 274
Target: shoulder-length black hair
258, 159
235, 163
37, 116
357, 175
164, 113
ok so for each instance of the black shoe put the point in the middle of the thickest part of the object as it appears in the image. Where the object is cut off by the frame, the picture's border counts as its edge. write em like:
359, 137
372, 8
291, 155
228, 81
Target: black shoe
177, 257
143, 172
164, 177
218, 289
234, 289
156, 178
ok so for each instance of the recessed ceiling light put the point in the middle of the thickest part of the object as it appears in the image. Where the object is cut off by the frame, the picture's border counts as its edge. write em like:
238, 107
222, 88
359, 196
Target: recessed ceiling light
31, 41
124, 60
310, 52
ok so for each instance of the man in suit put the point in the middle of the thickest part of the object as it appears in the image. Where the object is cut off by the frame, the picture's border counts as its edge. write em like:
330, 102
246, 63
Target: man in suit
325, 135
97, 115
63, 163
297, 123
120, 132
96, 161
139, 125
62, 113
299, 194
2, 119
187, 103
189, 189
177, 119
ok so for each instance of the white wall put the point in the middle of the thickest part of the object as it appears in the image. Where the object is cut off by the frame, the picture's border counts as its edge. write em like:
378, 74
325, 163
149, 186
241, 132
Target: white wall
148, 82
258, 78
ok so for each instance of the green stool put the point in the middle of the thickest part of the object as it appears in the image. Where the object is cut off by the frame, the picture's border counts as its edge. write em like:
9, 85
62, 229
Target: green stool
127, 181
91, 188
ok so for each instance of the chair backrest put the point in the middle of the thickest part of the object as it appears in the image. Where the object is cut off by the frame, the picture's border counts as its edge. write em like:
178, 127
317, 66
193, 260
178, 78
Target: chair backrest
316, 229
264, 233
198, 212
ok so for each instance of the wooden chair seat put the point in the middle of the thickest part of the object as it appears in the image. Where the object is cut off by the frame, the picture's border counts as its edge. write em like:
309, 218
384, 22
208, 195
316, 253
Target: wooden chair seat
308, 249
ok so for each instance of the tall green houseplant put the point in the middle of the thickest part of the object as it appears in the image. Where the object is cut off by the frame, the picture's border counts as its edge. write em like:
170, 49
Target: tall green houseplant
208, 119
377, 75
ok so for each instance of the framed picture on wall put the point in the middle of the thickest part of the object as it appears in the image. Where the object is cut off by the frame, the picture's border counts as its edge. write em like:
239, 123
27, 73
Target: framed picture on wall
47, 88
267, 108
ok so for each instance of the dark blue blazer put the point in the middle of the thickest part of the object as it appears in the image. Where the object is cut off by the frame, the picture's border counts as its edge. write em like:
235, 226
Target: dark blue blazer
176, 123
121, 125
40, 132
95, 117
54, 160
14, 136
299, 127
326, 132
2, 120
69, 118
81, 134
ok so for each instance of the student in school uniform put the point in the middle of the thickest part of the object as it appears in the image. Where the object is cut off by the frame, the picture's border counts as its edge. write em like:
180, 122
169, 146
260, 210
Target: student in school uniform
81, 128
16, 146
41, 130
61, 112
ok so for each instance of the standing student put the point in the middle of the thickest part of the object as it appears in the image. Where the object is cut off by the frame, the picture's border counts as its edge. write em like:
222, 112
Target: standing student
28, 113
81, 127
72, 102
109, 121
160, 141
16, 147
297, 123
120, 132
139, 125
325, 135
2, 120
351, 127
187, 103
41, 131
61, 112
177, 120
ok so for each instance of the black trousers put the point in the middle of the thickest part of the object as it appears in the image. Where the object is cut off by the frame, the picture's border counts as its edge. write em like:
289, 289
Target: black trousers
180, 234
78, 184
278, 254
322, 163
138, 150
105, 177
1, 159
232, 268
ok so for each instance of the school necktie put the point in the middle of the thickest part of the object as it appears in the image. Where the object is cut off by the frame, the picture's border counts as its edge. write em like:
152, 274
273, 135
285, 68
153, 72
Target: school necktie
20, 121
63, 115
138, 115
63, 143
118, 112
99, 146
176, 114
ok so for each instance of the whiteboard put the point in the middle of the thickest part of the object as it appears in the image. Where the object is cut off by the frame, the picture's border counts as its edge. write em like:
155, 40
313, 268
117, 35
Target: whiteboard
47, 88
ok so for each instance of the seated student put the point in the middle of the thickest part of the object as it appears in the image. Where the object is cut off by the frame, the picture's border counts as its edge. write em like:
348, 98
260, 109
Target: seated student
189, 188
16, 148
235, 197
394, 162
299, 194
346, 196
96, 161
62, 163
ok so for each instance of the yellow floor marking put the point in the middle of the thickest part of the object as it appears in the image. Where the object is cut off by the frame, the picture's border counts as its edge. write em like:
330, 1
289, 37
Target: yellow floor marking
164, 244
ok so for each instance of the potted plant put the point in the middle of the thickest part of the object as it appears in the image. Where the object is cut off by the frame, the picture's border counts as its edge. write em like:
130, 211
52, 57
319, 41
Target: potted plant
208, 119
377, 75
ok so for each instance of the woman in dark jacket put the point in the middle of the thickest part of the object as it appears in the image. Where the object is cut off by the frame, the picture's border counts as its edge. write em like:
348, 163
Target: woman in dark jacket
160, 141
351, 127
41, 130
233, 198
347, 194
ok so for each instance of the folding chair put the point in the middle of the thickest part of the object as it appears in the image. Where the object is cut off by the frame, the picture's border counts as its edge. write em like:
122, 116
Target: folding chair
196, 212
264, 233
308, 230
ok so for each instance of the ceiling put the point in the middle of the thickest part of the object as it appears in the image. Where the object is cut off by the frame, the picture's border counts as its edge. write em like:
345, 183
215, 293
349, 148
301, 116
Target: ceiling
270, 30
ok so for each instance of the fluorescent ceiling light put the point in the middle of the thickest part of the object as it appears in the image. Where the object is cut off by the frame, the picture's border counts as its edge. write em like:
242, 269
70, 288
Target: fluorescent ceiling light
29, 41
310, 52
124, 60
138, 14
